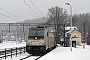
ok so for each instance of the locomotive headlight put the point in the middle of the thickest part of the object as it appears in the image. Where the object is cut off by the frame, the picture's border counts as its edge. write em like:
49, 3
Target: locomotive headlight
40, 44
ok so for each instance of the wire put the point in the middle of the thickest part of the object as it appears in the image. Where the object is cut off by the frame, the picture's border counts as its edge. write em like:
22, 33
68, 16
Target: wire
8, 17
36, 7
10, 14
30, 7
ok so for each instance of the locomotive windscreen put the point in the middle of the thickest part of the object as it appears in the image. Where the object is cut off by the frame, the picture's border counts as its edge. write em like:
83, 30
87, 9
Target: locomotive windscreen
39, 33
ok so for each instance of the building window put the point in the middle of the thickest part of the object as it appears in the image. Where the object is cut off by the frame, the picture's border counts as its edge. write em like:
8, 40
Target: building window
75, 35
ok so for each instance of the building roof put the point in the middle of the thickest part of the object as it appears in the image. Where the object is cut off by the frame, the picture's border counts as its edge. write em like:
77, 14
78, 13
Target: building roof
73, 27
71, 31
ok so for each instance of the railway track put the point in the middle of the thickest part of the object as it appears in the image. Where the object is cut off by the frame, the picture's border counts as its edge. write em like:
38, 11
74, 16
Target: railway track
28, 57
14, 51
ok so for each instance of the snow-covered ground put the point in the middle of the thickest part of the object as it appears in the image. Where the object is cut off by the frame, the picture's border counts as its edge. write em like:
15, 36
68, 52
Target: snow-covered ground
65, 53
11, 44
59, 53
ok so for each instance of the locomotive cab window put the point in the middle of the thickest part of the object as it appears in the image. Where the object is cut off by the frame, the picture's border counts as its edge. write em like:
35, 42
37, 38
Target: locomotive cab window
39, 33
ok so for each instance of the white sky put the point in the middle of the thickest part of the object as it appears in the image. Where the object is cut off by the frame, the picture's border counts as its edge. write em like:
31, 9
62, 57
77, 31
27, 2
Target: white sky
19, 9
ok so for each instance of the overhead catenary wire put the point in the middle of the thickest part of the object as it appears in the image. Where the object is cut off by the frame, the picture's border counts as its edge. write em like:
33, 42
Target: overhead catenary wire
31, 8
10, 14
36, 7
17, 19
8, 17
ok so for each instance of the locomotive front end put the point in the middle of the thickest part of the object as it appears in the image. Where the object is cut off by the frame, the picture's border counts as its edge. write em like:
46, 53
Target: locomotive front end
35, 43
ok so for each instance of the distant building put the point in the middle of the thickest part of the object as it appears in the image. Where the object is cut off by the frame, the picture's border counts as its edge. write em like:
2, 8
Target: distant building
75, 36
71, 35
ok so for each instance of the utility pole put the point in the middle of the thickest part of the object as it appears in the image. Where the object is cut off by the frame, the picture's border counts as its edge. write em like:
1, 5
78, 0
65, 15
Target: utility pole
84, 35
64, 34
70, 22
9, 27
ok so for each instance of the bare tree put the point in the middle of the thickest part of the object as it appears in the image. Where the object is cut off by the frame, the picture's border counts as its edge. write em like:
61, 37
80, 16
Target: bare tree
57, 16
82, 21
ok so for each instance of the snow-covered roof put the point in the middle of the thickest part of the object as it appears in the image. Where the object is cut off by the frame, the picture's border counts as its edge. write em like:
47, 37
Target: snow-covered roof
69, 31
73, 27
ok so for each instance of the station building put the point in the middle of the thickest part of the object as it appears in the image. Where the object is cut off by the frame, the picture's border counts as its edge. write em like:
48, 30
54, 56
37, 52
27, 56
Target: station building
73, 35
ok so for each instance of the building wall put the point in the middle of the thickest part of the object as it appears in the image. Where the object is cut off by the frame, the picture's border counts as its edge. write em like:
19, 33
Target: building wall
76, 36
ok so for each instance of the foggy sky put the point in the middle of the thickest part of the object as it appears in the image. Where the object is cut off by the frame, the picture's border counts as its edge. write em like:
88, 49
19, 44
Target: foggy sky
19, 9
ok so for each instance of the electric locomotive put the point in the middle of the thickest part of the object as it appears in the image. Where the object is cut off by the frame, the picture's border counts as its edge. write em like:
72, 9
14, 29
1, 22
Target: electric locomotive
40, 40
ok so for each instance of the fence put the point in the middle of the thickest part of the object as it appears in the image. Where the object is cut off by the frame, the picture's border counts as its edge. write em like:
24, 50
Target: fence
12, 51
